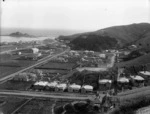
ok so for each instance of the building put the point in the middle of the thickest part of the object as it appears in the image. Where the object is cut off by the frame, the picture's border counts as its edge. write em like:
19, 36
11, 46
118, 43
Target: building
74, 88
61, 87
40, 85
137, 81
102, 55
35, 50
51, 86
104, 84
123, 83
146, 76
87, 89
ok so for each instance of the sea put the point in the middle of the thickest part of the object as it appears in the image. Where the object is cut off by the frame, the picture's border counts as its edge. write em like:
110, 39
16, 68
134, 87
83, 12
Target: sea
23, 39
40, 33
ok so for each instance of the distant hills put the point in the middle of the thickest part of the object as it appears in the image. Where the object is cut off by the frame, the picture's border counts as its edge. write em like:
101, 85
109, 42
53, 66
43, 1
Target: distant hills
19, 34
112, 37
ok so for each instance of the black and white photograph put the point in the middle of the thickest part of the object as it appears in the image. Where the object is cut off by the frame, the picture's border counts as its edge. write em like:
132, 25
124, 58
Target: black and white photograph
74, 56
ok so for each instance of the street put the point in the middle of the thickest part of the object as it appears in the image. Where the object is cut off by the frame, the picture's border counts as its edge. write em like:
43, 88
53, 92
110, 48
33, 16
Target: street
61, 95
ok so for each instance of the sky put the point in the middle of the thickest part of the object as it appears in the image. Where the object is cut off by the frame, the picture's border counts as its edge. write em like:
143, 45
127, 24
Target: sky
73, 14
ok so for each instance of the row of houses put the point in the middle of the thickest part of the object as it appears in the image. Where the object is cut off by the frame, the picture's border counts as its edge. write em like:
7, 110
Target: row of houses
61, 87
124, 83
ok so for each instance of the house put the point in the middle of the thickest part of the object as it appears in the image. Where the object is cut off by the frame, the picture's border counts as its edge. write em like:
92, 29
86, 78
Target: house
123, 83
74, 88
86, 89
51, 86
35, 50
40, 85
104, 84
146, 76
102, 55
61, 87
137, 81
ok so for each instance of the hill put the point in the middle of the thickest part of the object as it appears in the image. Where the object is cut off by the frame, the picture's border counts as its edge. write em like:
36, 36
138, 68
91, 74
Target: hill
19, 34
111, 37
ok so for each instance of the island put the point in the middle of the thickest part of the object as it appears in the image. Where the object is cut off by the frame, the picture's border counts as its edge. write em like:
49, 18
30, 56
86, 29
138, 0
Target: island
19, 34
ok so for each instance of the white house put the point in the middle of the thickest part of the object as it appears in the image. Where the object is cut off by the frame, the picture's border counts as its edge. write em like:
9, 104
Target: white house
86, 88
74, 88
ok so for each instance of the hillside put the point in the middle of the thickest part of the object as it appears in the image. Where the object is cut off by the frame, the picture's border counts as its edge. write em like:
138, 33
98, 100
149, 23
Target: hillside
145, 59
138, 34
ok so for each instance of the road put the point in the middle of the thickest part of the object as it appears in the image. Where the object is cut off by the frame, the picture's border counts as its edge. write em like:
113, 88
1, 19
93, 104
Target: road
61, 95
4, 79
112, 61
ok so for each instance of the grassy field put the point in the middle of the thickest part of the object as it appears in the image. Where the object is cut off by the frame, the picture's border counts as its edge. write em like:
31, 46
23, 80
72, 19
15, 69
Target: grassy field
7, 57
57, 65
41, 106
10, 104
4, 71
15, 85
7, 68
13, 46
37, 106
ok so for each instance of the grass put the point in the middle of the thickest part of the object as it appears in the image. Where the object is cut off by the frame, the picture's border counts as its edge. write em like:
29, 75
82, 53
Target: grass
37, 106
4, 71
41, 106
57, 65
7, 68
133, 105
15, 85
11, 103
145, 59
7, 57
